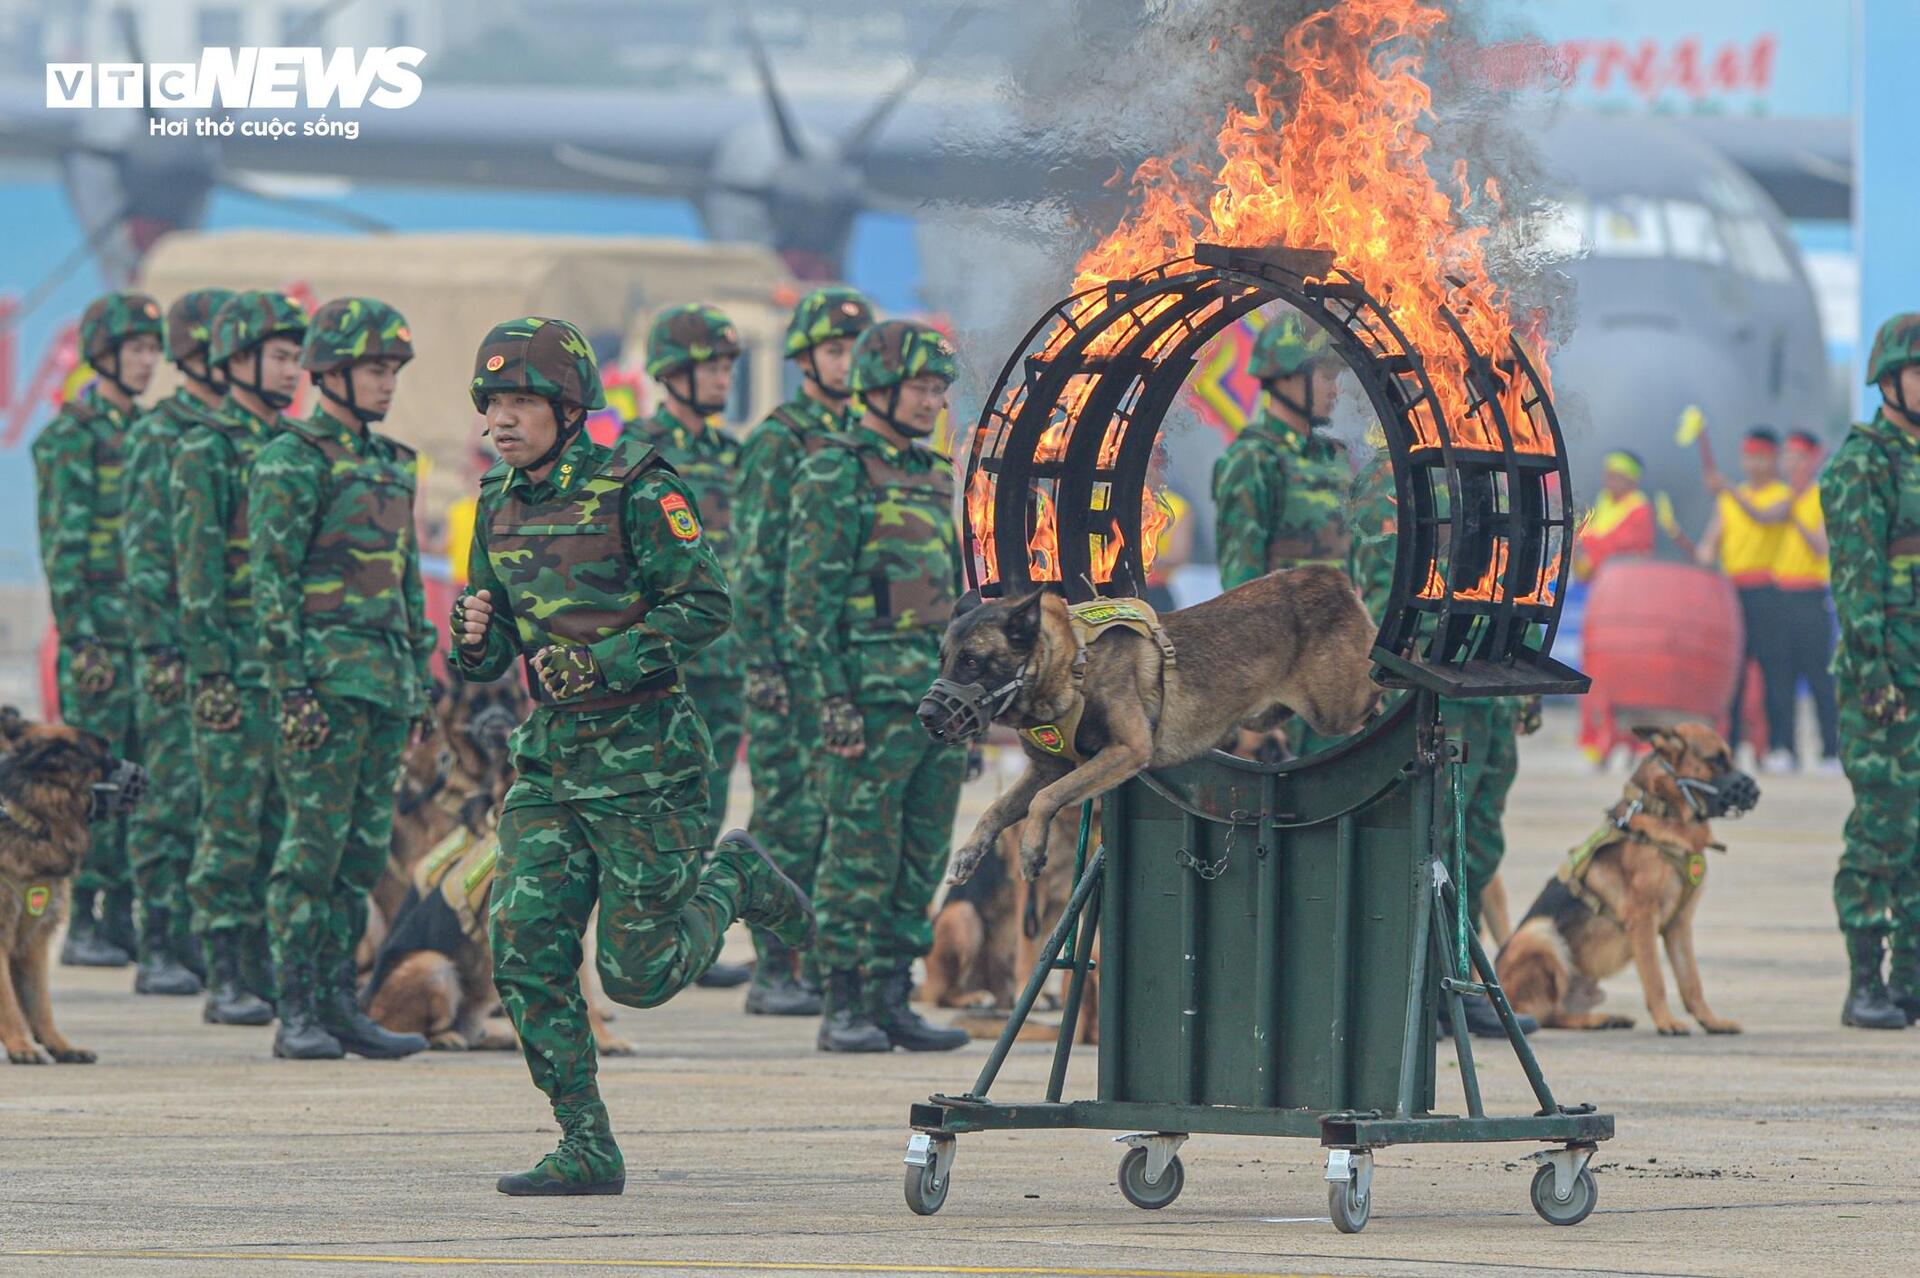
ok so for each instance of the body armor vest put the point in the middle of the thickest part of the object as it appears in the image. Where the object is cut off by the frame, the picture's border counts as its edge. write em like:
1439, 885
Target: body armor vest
356, 561
905, 570
245, 448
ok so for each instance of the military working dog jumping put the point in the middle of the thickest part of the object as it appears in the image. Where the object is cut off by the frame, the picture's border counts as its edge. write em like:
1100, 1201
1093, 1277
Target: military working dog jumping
1102, 690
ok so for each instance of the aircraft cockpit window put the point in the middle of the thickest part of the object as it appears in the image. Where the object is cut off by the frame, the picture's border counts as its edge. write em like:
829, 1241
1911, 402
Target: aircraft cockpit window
1755, 251
1694, 233
1628, 226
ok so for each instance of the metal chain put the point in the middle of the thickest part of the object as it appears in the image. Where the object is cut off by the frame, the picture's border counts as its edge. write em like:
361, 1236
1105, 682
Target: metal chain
1211, 870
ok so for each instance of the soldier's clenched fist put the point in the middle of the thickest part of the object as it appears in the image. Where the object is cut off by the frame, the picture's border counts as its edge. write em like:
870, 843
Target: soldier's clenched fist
472, 614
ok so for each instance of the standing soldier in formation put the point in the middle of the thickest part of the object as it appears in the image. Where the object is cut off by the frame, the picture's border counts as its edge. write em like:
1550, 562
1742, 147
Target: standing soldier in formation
691, 352
868, 592
1870, 494
255, 345
79, 462
160, 831
782, 724
1280, 488
610, 804
341, 615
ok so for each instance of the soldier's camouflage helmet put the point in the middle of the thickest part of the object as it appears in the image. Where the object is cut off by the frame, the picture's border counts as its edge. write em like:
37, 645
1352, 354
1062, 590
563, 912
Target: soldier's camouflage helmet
535, 356
1895, 346
249, 318
190, 322
689, 334
349, 329
897, 351
112, 318
1285, 346
827, 313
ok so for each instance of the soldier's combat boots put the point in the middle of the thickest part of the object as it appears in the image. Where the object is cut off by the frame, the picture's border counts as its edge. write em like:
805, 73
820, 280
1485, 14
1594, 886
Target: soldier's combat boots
256, 965
301, 1036
776, 991
587, 1161
1867, 1005
1903, 981
228, 1001
889, 1009
725, 976
767, 898
845, 1024
86, 944
161, 969
339, 1006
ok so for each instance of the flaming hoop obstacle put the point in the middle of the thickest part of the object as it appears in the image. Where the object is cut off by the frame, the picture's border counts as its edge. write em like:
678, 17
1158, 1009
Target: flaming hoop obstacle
1275, 941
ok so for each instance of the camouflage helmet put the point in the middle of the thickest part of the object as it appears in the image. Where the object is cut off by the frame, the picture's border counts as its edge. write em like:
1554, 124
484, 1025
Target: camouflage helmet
190, 322
1895, 346
824, 314
349, 329
897, 351
112, 318
1286, 346
689, 334
249, 318
534, 356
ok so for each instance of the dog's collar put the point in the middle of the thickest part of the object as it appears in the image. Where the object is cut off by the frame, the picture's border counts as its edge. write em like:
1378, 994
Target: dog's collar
27, 823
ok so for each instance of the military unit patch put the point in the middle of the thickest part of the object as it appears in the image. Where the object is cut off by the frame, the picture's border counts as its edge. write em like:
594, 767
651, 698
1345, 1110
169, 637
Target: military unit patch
679, 518
1047, 737
39, 896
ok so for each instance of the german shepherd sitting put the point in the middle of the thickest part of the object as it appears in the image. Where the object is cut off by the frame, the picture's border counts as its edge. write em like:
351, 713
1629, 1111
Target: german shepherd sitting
47, 794
1637, 878
1107, 689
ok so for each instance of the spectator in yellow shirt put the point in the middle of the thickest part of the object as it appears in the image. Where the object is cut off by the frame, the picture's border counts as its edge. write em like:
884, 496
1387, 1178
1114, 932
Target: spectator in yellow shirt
1806, 605
1745, 537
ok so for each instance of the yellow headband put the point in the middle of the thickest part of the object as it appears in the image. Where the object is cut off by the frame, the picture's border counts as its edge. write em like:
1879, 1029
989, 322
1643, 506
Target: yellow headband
1622, 464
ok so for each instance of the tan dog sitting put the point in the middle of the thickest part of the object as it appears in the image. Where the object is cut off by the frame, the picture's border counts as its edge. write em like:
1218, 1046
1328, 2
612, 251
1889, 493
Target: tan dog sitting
1636, 882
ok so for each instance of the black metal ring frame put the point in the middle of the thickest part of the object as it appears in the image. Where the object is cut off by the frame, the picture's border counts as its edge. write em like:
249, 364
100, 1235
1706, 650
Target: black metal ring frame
1492, 525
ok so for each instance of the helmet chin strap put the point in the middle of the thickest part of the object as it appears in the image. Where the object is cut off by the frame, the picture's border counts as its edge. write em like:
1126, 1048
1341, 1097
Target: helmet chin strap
275, 400
114, 376
367, 416
561, 438
689, 400
820, 383
1898, 395
204, 377
890, 415
1303, 407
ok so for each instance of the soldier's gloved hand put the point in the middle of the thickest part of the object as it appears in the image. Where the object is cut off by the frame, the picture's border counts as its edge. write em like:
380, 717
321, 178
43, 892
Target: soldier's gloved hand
426, 723
1884, 705
471, 615
567, 670
91, 666
767, 689
303, 720
216, 704
164, 676
1529, 719
976, 762
842, 731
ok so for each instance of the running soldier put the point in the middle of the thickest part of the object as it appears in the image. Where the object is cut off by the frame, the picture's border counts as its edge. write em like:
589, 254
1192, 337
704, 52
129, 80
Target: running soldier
255, 345
782, 725
1871, 497
589, 566
160, 831
867, 595
341, 615
79, 461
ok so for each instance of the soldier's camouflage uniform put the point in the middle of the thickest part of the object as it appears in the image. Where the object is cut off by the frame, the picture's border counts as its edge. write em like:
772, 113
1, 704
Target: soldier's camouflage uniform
80, 465
242, 816
1871, 495
868, 593
708, 462
610, 802
340, 610
783, 749
1487, 726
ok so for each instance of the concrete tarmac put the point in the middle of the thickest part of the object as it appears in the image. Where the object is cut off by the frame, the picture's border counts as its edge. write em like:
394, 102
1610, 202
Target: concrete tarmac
1786, 1150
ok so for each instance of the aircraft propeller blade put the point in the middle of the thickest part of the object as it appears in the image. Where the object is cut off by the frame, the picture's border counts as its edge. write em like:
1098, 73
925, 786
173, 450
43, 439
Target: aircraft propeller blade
47, 285
241, 184
770, 88
860, 137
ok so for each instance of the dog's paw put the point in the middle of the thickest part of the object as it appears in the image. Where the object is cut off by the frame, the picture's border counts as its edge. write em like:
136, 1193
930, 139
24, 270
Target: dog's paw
1617, 1022
966, 859
1672, 1028
614, 1047
449, 1041
71, 1055
1033, 854
29, 1055
1717, 1025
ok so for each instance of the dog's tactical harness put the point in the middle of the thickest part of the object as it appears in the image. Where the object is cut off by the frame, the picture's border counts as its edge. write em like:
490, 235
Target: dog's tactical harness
1089, 622
35, 894
1618, 828
449, 897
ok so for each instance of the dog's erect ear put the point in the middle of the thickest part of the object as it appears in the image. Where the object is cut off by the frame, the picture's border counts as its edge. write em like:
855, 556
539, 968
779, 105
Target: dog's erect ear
965, 604
1023, 623
1666, 742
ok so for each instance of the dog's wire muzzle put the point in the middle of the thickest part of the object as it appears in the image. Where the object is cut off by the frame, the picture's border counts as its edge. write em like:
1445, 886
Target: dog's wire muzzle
1730, 793
953, 712
119, 793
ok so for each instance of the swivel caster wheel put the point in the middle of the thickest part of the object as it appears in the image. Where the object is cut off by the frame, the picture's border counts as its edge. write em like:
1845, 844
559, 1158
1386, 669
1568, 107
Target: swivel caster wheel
1151, 1195
1577, 1204
1350, 1188
929, 1173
